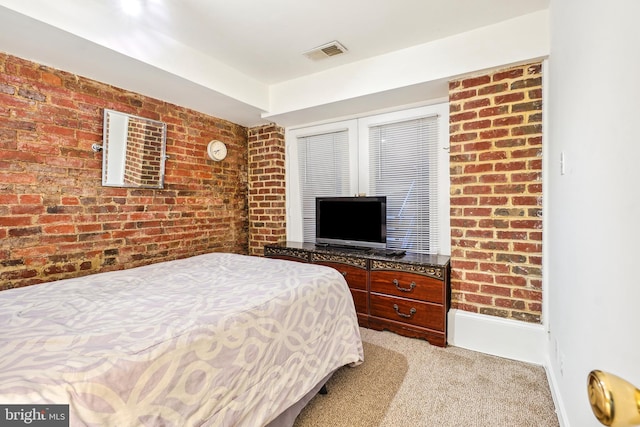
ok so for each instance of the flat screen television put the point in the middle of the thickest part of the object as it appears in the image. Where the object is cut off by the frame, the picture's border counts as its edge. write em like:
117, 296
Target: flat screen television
352, 221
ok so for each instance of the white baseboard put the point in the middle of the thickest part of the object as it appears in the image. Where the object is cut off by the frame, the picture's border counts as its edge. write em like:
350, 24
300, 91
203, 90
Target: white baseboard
555, 394
510, 339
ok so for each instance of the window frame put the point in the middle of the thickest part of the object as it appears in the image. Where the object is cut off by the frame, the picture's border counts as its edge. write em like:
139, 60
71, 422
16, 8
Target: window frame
358, 136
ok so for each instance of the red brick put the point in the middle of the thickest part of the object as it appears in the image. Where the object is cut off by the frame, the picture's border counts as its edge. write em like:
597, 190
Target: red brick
477, 146
479, 277
9, 199
482, 234
469, 287
526, 177
464, 265
493, 111
493, 267
463, 179
463, 222
508, 74
527, 247
495, 290
59, 229
494, 200
478, 168
508, 121
479, 299
510, 166
477, 211
493, 223
494, 133
495, 246
493, 178
475, 81
512, 142
457, 96
534, 188
508, 98
477, 103
526, 130
527, 294
511, 280
478, 255
480, 124
509, 189
477, 189
510, 303
464, 116
535, 94
463, 137
492, 89
520, 84
513, 235
27, 209
464, 201
492, 155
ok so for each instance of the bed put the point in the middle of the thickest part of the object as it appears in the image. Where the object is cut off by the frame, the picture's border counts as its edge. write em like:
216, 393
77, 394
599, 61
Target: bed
213, 340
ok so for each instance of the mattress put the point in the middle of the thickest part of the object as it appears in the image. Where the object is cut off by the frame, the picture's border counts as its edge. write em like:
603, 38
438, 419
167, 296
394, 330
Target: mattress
213, 340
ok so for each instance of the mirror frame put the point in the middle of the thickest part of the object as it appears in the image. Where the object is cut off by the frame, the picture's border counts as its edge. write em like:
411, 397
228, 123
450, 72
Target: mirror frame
144, 168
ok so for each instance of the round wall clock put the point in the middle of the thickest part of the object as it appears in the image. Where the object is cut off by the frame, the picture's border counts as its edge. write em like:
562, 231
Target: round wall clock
217, 150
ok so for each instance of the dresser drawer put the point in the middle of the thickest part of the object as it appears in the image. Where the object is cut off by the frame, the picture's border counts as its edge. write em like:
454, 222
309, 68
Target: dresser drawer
359, 300
286, 254
408, 285
356, 277
417, 313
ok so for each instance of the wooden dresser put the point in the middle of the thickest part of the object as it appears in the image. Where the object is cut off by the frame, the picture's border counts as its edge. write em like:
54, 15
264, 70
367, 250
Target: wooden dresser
408, 295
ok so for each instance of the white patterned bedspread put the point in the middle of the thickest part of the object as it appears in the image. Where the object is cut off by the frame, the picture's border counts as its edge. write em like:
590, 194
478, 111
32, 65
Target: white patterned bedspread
213, 340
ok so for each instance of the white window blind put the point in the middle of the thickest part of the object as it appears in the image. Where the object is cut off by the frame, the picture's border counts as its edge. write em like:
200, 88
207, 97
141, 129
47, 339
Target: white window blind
324, 171
403, 159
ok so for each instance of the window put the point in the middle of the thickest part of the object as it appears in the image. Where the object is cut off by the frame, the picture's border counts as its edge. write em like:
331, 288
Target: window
324, 171
403, 166
401, 155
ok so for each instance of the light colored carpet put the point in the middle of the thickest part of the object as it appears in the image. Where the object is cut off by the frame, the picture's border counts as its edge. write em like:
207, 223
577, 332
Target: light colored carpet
442, 387
358, 396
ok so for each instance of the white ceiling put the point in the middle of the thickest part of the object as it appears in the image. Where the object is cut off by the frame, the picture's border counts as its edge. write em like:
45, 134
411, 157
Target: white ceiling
252, 44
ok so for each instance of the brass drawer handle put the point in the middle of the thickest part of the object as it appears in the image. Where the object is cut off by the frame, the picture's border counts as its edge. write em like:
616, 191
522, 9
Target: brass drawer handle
409, 289
408, 316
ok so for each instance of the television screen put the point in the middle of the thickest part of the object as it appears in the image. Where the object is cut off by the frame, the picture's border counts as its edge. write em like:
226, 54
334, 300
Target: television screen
352, 221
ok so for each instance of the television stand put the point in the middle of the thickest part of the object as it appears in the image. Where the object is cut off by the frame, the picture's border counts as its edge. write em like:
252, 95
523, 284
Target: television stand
389, 253
342, 248
408, 295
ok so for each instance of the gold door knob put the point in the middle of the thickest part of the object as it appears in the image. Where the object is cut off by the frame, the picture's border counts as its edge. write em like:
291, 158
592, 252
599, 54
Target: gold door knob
614, 401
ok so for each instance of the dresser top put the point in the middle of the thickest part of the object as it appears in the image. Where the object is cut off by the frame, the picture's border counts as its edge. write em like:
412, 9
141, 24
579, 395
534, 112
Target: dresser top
409, 257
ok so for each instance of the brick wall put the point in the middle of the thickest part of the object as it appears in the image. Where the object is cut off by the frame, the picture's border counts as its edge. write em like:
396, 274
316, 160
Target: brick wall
267, 209
496, 192
58, 221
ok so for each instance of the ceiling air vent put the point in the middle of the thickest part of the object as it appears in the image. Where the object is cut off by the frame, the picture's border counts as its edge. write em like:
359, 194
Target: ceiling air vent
330, 49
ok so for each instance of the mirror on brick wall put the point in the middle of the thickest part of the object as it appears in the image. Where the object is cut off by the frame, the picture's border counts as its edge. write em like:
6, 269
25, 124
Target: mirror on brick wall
134, 151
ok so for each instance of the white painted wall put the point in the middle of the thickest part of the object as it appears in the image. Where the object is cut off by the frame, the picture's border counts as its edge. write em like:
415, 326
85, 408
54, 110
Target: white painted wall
424, 68
46, 44
593, 210
117, 33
